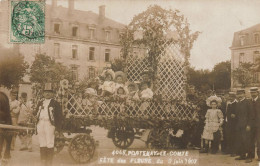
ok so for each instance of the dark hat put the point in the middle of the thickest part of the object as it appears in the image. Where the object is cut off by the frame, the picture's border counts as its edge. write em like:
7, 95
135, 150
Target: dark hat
48, 87
253, 89
23, 95
241, 91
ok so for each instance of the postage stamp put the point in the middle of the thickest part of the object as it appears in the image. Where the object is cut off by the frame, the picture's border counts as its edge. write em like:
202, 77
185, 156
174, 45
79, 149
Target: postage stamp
27, 21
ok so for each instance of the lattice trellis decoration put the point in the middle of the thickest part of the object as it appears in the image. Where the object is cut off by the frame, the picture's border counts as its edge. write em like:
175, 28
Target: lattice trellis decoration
171, 72
135, 67
132, 109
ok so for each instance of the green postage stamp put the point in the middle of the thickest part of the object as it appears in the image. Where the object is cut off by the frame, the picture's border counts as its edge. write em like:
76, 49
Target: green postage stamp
27, 21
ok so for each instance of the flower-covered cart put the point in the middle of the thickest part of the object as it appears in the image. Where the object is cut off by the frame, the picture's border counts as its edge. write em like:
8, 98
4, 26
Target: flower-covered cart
165, 116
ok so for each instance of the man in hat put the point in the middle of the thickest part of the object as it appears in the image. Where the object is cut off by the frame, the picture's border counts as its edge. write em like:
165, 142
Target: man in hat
14, 109
245, 121
256, 129
231, 123
49, 121
25, 114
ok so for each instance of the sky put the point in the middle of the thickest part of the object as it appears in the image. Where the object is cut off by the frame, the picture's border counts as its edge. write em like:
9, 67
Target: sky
217, 20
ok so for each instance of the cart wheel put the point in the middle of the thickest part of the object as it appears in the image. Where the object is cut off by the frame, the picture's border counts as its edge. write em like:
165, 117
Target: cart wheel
123, 137
82, 148
157, 139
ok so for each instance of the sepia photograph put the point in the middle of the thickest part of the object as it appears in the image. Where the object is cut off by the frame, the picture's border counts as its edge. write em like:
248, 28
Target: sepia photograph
129, 82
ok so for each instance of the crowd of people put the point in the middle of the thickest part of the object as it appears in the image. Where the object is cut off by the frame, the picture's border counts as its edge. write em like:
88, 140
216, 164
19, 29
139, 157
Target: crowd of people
233, 124
113, 86
15, 112
47, 115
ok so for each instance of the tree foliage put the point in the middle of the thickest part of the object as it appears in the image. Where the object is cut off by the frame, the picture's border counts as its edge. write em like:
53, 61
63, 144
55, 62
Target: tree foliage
243, 74
203, 80
12, 68
118, 64
222, 75
45, 69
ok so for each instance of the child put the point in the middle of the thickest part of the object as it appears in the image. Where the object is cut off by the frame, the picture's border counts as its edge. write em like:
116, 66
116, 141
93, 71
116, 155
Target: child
144, 93
132, 88
146, 77
108, 86
90, 100
212, 128
120, 79
120, 94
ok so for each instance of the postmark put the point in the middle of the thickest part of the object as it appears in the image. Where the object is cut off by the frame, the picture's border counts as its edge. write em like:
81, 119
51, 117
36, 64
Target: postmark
27, 21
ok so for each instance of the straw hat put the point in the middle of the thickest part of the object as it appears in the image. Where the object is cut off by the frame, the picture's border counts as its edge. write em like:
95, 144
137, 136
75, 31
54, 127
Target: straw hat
120, 74
91, 91
108, 71
213, 98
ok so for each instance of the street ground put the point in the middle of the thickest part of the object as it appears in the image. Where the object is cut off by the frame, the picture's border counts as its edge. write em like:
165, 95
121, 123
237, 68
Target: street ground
104, 155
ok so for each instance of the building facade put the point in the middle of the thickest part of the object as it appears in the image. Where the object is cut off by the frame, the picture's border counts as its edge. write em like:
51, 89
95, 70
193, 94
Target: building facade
84, 41
246, 48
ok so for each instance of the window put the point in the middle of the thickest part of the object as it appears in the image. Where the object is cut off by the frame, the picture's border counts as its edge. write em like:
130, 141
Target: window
56, 50
256, 38
74, 52
91, 53
242, 40
74, 31
107, 35
256, 56
57, 28
91, 72
255, 77
91, 33
107, 55
74, 71
241, 57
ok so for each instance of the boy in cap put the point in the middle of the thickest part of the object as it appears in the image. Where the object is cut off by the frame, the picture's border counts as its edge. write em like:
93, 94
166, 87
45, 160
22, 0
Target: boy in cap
256, 129
245, 121
49, 121
231, 123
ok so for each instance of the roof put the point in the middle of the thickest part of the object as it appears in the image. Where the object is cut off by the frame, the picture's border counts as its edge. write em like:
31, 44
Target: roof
79, 16
249, 38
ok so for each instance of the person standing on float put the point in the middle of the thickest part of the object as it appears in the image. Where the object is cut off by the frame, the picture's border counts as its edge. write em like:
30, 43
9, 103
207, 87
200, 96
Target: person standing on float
49, 121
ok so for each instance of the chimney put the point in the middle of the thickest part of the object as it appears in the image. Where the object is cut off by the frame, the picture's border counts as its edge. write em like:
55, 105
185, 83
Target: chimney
54, 3
71, 6
102, 12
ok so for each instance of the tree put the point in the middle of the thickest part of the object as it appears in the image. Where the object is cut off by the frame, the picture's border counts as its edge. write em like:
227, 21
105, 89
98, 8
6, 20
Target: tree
243, 74
12, 68
118, 64
153, 29
221, 75
45, 69
201, 79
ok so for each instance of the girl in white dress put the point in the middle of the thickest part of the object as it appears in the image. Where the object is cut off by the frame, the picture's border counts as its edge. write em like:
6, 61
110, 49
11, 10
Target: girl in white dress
213, 123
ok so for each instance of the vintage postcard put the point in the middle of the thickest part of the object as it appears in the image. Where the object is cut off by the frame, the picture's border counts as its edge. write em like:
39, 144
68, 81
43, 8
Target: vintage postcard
129, 82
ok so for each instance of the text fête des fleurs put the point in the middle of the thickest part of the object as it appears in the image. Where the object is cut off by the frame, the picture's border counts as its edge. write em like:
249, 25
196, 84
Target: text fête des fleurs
149, 157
